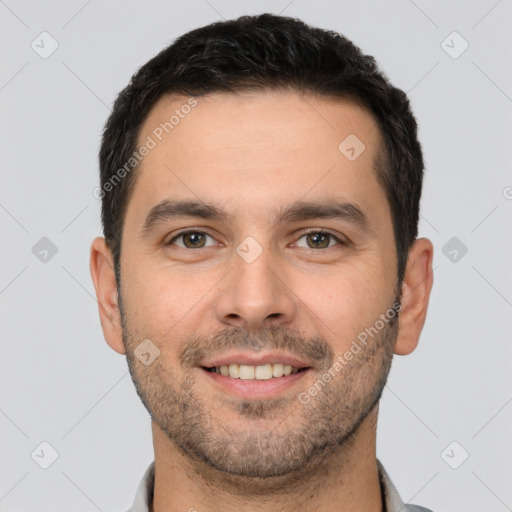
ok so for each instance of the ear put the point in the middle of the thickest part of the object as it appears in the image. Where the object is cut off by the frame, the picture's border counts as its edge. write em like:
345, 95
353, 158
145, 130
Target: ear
417, 284
103, 276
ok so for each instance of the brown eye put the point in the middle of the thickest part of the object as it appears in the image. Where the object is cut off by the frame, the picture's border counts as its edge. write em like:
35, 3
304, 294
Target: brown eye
320, 239
191, 239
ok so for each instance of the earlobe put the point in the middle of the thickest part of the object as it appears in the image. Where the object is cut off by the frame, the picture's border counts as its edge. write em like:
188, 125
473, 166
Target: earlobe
417, 285
103, 276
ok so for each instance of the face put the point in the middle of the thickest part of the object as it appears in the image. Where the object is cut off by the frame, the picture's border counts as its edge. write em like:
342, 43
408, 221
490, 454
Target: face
252, 243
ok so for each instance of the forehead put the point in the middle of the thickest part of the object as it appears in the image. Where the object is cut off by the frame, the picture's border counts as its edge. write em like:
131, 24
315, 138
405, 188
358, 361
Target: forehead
265, 147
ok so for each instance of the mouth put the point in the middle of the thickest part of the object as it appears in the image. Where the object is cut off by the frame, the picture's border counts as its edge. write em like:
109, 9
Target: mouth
260, 377
251, 372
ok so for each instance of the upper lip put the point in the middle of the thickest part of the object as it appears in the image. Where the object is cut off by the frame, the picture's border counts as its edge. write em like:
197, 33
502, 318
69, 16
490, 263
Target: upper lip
251, 359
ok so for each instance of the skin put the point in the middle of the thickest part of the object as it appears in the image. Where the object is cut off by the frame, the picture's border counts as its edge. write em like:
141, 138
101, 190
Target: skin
252, 153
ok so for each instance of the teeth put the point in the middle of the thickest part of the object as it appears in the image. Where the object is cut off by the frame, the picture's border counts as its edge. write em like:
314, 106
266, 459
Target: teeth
277, 370
233, 371
246, 372
262, 372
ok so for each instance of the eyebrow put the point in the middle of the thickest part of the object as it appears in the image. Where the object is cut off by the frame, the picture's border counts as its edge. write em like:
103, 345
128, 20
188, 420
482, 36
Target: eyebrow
298, 211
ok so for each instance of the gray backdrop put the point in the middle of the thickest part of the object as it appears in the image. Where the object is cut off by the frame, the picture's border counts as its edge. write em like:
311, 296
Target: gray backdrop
445, 421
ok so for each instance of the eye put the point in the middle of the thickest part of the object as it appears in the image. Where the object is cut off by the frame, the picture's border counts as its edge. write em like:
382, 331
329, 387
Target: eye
191, 239
317, 239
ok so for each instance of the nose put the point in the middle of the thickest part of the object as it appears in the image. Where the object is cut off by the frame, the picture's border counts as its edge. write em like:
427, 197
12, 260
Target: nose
255, 295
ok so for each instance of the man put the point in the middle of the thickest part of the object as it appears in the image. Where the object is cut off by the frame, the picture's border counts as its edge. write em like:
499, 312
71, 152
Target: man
260, 186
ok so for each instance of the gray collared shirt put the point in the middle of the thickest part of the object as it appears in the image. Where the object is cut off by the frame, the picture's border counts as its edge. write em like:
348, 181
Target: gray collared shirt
394, 503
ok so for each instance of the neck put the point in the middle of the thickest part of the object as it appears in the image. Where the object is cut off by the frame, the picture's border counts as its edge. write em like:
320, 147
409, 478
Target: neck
344, 479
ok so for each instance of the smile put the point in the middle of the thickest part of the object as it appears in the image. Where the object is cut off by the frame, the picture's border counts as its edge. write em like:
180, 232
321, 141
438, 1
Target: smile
249, 372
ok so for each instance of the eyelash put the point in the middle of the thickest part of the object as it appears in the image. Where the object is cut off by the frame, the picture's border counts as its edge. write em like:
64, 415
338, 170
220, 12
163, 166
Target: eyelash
316, 231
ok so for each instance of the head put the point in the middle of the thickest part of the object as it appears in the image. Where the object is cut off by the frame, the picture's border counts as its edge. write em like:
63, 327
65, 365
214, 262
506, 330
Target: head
296, 172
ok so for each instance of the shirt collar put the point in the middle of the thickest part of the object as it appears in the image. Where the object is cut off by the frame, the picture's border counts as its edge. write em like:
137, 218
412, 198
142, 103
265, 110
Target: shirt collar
144, 495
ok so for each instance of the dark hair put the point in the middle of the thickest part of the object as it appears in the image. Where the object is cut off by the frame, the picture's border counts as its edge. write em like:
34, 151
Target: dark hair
266, 52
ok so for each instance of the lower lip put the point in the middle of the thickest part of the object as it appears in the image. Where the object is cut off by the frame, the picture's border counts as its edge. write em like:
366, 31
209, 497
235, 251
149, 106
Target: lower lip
254, 388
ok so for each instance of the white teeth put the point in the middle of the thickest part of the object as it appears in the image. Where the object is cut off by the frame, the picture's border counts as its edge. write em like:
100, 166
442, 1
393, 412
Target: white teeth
277, 370
246, 372
234, 371
261, 372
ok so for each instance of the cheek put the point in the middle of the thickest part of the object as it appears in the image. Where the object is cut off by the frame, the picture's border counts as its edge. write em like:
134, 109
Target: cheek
345, 304
155, 300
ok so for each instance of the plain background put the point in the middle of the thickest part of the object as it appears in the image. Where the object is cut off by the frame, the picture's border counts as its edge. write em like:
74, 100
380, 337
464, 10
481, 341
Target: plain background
60, 383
